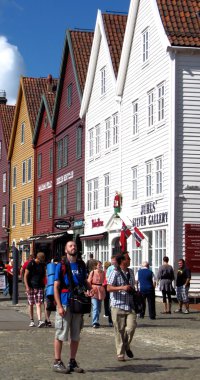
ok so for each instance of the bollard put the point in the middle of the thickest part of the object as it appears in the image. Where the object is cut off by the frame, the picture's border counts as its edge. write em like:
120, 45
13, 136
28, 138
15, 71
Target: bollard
15, 254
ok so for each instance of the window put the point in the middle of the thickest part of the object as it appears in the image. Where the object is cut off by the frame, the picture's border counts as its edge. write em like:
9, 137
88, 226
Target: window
23, 212
28, 210
106, 190
3, 216
50, 205
38, 208
51, 160
79, 142
148, 178
136, 259
62, 200
29, 169
160, 248
65, 151
145, 45
97, 139
39, 165
14, 215
91, 143
4, 182
95, 194
134, 183
89, 195
0, 149
22, 133
103, 80
69, 95
159, 175
14, 176
161, 102
115, 129
135, 118
151, 108
23, 172
78, 194
60, 153
107, 132
92, 194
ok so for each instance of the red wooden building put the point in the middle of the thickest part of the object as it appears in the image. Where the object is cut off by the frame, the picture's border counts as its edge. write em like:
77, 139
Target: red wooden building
6, 120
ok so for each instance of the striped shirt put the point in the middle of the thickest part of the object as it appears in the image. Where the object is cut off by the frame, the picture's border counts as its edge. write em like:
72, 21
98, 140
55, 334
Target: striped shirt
121, 299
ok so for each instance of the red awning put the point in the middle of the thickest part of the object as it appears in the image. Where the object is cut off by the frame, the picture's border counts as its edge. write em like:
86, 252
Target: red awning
94, 237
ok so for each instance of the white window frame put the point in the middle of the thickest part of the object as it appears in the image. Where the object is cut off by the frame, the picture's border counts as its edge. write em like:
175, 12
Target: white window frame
23, 133
150, 97
28, 211
136, 259
159, 174
14, 177
89, 195
97, 140
106, 190
134, 183
29, 169
95, 193
145, 45
160, 248
135, 117
161, 102
23, 212
115, 129
14, 214
108, 133
92, 194
23, 172
91, 142
103, 80
4, 182
3, 216
148, 179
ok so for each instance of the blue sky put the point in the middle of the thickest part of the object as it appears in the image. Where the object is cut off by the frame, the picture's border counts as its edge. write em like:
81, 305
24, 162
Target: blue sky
37, 28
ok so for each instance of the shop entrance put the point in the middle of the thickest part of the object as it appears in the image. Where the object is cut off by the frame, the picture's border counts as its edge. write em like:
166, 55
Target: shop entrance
116, 248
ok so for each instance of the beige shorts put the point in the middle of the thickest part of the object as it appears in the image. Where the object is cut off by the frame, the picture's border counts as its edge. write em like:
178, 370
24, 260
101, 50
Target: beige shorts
72, 323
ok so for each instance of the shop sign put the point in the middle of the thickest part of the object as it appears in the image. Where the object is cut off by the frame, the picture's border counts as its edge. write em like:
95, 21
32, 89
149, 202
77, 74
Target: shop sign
152, 217
97, 223
62, 224
45, 186
78, 223
192, 247
64, 177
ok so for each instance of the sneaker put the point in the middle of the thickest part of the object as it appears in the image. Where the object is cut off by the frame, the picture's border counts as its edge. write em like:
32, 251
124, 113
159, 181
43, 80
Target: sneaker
32, 324
186, 311
96, 325
48, 324
129, 353
105, 316
178, 311
60, 367
73, 366
41, 324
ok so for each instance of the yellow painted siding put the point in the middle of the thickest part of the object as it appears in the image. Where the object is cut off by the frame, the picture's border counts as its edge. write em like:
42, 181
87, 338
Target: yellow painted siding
21, 152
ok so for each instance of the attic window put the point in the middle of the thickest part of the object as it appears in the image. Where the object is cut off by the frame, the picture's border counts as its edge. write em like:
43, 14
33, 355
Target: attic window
69, 95
103, 80
22, 133
45, 122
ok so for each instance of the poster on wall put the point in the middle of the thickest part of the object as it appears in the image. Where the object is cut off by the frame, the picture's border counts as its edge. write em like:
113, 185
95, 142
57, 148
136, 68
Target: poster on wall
192, 247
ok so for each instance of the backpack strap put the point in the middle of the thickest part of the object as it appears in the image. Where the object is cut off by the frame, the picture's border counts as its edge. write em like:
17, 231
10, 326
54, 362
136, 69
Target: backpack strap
125, 278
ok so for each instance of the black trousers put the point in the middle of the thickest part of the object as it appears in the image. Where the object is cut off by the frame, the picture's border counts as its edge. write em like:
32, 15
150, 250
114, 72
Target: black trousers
150, 298
107, 306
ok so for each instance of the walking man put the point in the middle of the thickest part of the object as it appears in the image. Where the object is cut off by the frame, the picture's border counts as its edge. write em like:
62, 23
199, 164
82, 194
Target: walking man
121, 284
146, 282
65, 321
34, 279
183, 285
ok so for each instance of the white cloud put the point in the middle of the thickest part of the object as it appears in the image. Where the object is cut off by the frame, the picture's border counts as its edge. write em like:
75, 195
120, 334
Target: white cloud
11, 67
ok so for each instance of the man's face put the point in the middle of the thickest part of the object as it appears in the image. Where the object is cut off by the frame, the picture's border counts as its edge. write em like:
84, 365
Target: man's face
180, 264
70, 248
128, 259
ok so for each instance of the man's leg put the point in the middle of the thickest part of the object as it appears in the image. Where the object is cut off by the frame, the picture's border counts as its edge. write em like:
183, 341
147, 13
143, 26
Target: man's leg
58, 348
151, 304
119, 321
131, 325
31, 311
73, 349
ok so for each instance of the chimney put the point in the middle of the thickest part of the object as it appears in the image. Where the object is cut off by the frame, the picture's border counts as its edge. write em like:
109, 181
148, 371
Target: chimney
3, 99
49, 83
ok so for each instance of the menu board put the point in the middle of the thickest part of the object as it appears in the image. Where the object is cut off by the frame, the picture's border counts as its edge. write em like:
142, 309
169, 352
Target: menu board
192, 247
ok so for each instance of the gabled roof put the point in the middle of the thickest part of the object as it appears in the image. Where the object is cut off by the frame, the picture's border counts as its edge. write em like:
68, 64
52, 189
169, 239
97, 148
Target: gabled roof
178, 24
32, 89
78, 44
47, 103
6, 118
181, 21
110, 28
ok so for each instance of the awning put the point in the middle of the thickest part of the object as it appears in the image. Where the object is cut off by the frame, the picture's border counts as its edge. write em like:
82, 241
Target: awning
45, 238
94, 236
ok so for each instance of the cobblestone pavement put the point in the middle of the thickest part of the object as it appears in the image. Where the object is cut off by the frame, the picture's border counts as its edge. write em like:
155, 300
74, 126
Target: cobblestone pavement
167, 348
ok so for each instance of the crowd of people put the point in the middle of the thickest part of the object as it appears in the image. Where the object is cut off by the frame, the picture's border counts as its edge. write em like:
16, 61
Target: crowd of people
114, 284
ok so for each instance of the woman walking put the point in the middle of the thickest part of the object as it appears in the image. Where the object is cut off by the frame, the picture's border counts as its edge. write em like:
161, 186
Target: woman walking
165, 277
96, 279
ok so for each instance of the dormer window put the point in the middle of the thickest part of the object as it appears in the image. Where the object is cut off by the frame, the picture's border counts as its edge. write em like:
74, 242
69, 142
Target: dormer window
69, 95
22, 133
103, 80
145, 45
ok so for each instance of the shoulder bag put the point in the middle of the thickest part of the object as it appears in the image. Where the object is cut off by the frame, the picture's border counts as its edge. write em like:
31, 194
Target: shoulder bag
138, 299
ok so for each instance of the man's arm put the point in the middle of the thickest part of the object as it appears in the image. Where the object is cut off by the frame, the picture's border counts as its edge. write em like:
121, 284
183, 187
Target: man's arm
26, 274
60, 309
126, 288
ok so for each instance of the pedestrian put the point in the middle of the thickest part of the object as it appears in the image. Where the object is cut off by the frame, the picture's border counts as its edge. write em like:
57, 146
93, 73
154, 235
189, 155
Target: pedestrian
34, 280
23, 267
111, 267
91, 263
165, 277
107, 310
65, 321
9, 273
96, 279
146, 283
121, 284
183, 284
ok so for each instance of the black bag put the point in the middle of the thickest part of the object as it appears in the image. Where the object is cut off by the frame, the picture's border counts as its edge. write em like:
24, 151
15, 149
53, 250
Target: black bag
50, 304
138, 302
173, 291
80, 303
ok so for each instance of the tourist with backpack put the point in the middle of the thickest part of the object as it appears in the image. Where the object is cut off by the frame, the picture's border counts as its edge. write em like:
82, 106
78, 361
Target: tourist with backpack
65, 321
